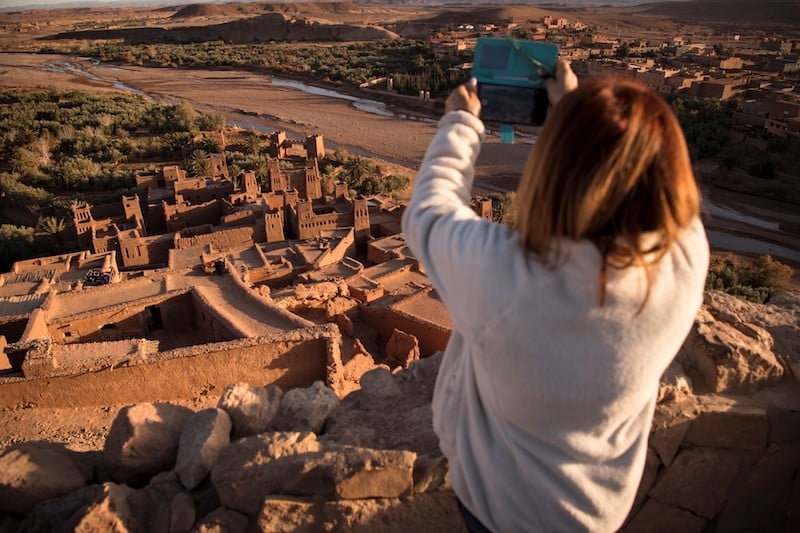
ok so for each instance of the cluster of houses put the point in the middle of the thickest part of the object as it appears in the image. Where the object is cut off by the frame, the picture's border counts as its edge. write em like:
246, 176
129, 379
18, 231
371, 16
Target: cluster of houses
187, 272
763, 71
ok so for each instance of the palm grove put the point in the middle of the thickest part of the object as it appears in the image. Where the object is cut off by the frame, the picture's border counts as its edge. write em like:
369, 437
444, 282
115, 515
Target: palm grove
62, 147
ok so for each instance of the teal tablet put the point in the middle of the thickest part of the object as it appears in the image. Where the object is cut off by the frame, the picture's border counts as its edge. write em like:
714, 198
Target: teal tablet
509, 85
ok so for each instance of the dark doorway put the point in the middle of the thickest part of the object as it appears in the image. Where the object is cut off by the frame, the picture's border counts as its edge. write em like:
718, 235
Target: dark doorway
153, 318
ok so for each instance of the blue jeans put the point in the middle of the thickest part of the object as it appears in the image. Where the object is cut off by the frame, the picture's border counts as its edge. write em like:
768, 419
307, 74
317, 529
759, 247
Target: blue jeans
473, 524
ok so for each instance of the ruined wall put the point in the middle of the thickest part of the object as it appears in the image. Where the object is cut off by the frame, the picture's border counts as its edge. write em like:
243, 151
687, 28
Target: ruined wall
140, 252
127, 318
220, 239
177, 314
296, 359
105, 327
239, 218
432, 337
110, 210
130, 327
209, 322
156, 219
36, 327
181, 216
201, 190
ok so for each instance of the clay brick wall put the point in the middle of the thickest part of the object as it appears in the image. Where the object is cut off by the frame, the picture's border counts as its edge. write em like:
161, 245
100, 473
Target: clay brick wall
86, 329
220, 240
36, 327
131, 327
209, 322
185, 216
127, 318
292, 361
177, 314
432, 337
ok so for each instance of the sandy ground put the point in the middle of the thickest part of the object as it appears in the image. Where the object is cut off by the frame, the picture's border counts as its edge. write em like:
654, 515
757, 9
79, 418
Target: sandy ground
81, 429
247, 99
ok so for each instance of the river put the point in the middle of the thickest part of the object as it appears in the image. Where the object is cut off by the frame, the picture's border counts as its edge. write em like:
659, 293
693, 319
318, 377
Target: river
109, 74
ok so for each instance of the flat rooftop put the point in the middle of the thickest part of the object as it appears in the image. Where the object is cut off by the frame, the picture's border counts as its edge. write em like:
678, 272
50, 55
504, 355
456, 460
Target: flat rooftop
93, 298
427, 307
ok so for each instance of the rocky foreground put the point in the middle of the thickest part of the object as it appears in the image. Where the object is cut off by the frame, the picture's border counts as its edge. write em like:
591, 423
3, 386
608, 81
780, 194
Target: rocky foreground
724, 451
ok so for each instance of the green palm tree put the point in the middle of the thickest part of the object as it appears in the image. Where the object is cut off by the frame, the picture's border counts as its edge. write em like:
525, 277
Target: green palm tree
53, 226
235, 172
253, 142
261, 170
358, 170
199, 164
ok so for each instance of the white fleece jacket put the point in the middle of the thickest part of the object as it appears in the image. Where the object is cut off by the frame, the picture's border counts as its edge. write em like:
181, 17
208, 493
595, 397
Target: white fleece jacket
544, 399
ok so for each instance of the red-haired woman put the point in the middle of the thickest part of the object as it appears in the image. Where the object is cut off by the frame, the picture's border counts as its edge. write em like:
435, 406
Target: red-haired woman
563, 326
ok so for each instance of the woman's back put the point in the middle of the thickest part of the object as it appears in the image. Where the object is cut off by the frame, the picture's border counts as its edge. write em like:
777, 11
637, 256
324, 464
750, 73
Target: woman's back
562, 329
549, 395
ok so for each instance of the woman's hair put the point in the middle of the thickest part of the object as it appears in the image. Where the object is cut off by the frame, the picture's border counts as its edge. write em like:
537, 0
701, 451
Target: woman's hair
610, 166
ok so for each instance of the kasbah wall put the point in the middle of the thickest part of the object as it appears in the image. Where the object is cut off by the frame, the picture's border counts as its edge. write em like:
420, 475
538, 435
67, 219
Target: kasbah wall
293, 359
431, 337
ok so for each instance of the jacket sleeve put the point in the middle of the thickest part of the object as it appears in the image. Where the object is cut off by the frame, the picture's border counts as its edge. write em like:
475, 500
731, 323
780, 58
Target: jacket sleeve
441, 229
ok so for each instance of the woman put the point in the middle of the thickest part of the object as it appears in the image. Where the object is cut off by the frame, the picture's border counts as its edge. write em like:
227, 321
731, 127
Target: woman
562, 327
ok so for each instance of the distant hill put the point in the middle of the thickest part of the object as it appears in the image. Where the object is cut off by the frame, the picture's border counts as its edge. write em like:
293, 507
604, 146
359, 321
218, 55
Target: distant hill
262, 28
469, 15
234, 9
782, 12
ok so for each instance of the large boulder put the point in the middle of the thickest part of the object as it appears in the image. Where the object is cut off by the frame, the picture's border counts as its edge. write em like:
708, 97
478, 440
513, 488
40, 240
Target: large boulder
252, 409
111, 514
306, 409
698, 481
92, 508
222, 520
204, 435
249, 470
722, 354
674, 383
32, 472
780, 318
240, 475
143, 441
390, 412
159, 504
425, 513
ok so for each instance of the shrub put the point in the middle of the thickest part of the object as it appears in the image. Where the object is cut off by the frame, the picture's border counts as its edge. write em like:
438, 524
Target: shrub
21, 194
755, 282
16, 242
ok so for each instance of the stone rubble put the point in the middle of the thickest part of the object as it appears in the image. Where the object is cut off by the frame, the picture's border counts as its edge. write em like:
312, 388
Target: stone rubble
205, 434
34, 471
308, 461
143, 441
251, 408
305, 409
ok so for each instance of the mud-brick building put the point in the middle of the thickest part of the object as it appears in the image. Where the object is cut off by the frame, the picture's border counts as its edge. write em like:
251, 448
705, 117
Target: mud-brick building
308, 218
396, 294
97, 227
306, 180
166, 335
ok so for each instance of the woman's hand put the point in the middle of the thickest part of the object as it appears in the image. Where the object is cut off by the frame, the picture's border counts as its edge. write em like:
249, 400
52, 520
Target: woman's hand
563, 82
464, 97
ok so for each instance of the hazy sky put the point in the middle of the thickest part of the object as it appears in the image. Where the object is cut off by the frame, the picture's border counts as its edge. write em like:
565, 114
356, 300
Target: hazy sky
46, 3
62, 3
